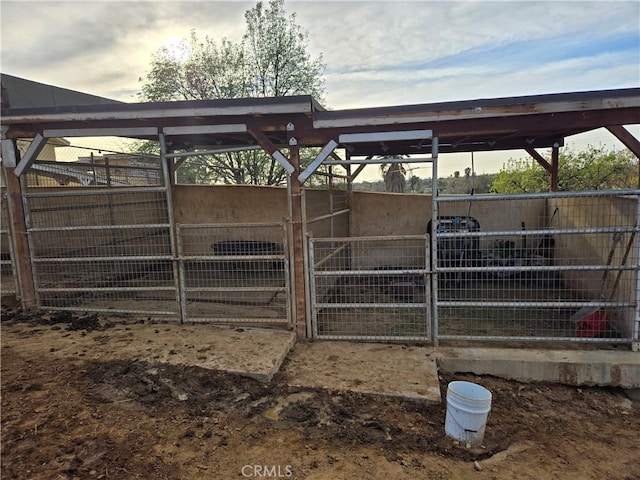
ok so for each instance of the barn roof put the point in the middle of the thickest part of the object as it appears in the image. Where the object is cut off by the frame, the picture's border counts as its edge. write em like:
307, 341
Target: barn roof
506, 123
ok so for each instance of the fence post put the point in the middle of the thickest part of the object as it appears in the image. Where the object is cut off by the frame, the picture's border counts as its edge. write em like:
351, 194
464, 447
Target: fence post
298, 245
18, 224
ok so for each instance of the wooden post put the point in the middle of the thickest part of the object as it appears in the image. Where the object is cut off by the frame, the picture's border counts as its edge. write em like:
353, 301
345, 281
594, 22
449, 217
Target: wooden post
18, 225
298, 244
553, 179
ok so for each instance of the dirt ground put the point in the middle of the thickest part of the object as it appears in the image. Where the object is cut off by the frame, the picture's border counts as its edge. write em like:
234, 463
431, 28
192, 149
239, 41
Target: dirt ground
109, 418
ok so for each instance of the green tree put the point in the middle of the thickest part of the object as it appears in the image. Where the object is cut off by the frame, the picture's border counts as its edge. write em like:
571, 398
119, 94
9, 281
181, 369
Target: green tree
590, 169
272, 60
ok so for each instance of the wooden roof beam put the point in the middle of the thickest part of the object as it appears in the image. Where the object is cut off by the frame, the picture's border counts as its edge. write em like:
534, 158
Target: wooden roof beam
626, 138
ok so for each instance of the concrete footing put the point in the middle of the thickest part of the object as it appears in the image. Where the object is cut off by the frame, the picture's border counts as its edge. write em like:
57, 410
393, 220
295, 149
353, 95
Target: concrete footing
571, 367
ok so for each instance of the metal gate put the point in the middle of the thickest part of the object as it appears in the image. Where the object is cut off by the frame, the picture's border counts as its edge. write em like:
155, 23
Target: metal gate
235, 273
102, 249
370, 288
538, 267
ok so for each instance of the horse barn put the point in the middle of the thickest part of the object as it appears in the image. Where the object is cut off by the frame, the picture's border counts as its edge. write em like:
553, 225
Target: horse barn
84, 230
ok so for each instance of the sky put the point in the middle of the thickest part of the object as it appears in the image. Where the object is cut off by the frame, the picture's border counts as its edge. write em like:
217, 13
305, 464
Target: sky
376, 53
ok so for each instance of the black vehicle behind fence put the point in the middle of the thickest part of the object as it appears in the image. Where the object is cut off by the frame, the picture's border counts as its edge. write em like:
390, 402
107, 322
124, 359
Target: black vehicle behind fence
456, 251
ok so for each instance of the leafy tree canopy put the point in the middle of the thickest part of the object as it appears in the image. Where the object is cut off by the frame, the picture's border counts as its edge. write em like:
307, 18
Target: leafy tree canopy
595, 168
272, 60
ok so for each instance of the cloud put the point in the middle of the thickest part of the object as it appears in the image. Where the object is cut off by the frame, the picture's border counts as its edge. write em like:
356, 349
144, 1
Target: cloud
376, 52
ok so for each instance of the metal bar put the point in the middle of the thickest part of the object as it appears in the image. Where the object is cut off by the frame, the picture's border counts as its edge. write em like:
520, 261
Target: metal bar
109, 310
370, 239
385, 136
232, 257
635, 334
378, 273
275, 320
541, 268
287, 273
375, 161
538, 232
120, 258
427, 280
371, 305
236, 289
214, 151
34, 149
320, 158
72, 192
434, 242
374, 338
550, 304
330, 256
528, 196
31, 272
182, 290
100, 227
107, 289
493, 338
101, 132
202, 226
312, 288
166, 173
205, 129
329, 215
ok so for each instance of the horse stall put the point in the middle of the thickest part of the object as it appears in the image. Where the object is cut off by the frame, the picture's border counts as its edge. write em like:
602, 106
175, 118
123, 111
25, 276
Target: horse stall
538, 267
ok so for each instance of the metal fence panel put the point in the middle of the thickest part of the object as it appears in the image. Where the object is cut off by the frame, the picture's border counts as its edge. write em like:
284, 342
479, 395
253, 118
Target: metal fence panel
235, 273
8, 279
374, 288
102, 249
557, 266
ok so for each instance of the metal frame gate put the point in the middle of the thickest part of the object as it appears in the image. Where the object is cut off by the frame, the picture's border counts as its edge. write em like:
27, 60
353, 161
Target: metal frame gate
570, 272
96, 249
370, 288
235, 273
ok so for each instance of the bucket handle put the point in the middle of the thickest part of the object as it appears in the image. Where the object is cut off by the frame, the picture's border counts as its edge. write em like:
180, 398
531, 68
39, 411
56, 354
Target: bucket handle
466, 429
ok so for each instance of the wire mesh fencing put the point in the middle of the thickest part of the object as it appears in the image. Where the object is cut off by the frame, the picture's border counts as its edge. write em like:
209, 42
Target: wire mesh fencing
235, 273
560, 266
62, 164
374, 288
99, 232
8, 279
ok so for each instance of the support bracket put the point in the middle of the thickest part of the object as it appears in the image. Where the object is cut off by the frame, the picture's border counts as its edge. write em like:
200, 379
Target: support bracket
36, 146
322, 156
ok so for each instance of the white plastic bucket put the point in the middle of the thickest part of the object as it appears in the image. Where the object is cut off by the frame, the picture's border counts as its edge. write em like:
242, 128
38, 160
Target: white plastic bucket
468, 406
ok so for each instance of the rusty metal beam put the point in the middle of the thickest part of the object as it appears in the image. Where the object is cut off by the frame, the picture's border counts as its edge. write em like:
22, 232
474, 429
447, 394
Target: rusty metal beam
626, 137
272, 150
539, 158
555, 157
297, 229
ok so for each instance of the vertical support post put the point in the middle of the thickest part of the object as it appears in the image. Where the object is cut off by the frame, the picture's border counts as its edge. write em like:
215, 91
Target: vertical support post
350, 194
166, 174
434, 240
313, 315
18, 228
308, 269
636, 317
555, 156
298, 243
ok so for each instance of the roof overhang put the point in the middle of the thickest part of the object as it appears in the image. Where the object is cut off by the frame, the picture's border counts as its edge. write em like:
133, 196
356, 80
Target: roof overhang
535, 121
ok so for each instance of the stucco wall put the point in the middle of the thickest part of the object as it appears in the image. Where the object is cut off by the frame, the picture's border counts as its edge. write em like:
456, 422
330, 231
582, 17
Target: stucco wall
594, 249
229, 204
398, 214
